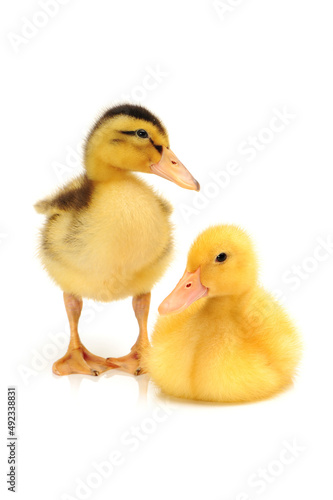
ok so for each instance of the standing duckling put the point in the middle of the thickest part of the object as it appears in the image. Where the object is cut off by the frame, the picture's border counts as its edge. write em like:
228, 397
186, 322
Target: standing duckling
236, 343
108, 235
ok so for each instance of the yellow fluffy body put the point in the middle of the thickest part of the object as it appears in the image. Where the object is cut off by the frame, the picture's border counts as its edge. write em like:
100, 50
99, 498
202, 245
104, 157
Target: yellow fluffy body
235, 345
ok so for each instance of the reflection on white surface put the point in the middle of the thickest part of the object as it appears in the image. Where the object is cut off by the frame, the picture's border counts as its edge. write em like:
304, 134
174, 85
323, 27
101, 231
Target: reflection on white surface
75, 382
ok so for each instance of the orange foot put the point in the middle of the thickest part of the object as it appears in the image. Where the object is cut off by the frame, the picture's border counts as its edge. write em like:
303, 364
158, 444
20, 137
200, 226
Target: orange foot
129, 363
81, 361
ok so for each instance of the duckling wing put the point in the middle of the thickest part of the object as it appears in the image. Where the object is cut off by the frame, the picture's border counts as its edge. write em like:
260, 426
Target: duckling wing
73, 196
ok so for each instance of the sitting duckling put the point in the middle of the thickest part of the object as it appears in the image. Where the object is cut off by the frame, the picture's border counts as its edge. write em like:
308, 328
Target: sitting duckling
236, 343
108, 234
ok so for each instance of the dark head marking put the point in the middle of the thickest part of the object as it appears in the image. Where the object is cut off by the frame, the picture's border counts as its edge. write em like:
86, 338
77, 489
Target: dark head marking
132, 110
159, 148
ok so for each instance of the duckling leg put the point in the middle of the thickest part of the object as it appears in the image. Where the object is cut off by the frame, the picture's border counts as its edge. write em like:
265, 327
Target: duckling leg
77, 358
131, 362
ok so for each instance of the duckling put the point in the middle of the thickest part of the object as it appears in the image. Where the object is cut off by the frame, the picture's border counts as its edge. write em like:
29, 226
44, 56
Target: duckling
108, 234
221, 337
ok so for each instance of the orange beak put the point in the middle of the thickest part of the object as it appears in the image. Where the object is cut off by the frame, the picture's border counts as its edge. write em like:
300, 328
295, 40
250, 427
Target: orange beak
172, 169
186, 292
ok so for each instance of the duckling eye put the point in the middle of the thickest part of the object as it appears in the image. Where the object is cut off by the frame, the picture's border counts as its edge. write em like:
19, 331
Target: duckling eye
221, 257
141, 133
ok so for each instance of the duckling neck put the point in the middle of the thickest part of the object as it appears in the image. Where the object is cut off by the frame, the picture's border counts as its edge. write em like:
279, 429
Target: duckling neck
100, 171
227, 304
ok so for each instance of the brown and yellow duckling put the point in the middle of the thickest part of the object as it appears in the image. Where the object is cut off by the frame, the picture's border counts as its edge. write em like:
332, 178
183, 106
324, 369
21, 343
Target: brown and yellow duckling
108, 234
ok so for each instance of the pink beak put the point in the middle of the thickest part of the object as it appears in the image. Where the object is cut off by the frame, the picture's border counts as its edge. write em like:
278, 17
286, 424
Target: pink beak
186, 292
172, 169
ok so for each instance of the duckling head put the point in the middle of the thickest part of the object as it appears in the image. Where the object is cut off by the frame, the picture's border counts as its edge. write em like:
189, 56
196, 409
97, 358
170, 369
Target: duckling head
129, 137
221, 262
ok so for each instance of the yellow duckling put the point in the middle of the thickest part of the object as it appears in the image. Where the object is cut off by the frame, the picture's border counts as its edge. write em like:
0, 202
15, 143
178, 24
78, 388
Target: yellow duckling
108, 234
234, 344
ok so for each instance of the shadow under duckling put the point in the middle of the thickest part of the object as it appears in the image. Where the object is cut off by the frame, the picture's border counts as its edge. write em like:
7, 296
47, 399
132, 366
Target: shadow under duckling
227, 339
108, 235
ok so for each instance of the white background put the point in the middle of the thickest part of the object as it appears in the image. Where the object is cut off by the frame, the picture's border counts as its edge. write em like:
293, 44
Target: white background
223, 76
